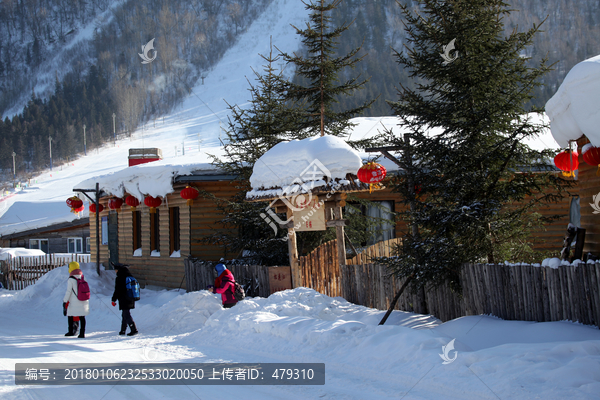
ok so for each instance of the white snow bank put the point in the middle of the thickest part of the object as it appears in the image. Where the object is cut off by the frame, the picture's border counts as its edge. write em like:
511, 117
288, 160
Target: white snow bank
573, 110
307, 160
7, 252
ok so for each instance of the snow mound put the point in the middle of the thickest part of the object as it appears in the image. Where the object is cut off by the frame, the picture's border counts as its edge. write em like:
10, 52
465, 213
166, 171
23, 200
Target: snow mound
307, 160
573, 110
7, 252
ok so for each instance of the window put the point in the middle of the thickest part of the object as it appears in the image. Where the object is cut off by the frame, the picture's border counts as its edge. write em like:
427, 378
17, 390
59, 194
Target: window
382, 211
87, 245
174, 230
40, 244
75, 245
137, 229
104, 230
575, 212
154, 232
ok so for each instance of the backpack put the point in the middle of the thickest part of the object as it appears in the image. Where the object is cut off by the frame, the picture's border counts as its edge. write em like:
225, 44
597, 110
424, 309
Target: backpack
133, 288
238, 293
83, 289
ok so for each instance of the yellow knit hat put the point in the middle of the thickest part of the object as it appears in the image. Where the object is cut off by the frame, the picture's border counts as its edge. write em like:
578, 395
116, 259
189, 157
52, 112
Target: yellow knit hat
73, 265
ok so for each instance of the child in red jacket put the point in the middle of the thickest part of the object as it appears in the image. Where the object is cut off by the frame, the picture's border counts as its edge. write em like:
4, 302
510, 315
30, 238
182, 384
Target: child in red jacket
224, 285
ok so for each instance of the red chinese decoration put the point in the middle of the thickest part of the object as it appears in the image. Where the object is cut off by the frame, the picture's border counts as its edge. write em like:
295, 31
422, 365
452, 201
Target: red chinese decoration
189, 193
567, 161
74, 202
115, 203
371, 173
591, 155
152, 202
132, 202
93, 207
79, 209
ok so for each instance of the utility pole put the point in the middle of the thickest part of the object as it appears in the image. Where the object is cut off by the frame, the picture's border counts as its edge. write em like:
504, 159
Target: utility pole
50, 143
183, 147
14, 169
114, 134
84, 144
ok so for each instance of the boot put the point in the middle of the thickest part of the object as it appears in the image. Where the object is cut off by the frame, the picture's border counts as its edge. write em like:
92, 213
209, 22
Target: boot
73, 326
123, 328
134, 330
82, 330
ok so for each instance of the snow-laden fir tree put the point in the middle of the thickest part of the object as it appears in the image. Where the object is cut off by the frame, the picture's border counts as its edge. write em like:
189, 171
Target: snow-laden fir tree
471, 185
250, 133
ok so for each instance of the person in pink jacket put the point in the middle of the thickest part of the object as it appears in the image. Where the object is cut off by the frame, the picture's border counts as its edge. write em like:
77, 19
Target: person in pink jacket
224, 285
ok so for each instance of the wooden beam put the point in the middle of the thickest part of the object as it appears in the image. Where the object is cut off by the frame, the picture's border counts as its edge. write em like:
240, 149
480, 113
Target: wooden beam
293, 254
385, 148
339, 235
386, 152
337, 222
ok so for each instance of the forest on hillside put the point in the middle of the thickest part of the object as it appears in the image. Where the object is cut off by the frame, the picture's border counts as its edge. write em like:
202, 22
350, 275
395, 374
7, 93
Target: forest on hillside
94, 78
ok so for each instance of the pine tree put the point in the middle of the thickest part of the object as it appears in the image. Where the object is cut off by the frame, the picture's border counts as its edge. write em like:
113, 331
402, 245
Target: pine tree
321, 71
471, 184
250, 133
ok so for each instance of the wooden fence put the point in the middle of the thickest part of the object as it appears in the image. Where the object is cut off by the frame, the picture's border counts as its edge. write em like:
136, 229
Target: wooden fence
199, 274
320, 270
380, 249
519, 292
20, 272
511, 292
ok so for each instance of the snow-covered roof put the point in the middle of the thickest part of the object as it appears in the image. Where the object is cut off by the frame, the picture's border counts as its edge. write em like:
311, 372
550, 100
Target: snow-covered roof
574, 110
154, 179
289, 167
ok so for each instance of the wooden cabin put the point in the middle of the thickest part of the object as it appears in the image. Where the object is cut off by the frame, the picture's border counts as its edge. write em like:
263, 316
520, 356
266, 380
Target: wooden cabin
175, 227
588, 187
64, 237
180, 229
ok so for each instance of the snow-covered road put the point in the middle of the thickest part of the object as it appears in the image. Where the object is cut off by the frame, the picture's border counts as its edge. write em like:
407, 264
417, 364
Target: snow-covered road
494, 358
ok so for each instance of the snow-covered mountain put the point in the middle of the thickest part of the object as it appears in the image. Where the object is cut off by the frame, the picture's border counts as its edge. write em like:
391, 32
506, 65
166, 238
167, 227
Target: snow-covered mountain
193, 129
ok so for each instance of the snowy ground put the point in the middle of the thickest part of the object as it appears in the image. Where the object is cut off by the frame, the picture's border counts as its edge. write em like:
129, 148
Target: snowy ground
494, 358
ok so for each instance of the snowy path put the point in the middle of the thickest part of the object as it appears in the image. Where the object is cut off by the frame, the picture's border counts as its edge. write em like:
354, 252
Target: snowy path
494, 358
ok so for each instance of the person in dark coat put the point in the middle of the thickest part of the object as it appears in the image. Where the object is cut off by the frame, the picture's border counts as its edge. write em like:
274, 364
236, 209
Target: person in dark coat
126, 303
224, 284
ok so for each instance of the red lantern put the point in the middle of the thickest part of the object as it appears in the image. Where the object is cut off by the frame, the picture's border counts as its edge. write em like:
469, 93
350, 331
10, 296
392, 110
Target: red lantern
371, 173
591, 155
93, 207
115, 203
567, 161
132, 202
74, 202
189, 193
152, 202
79, 209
